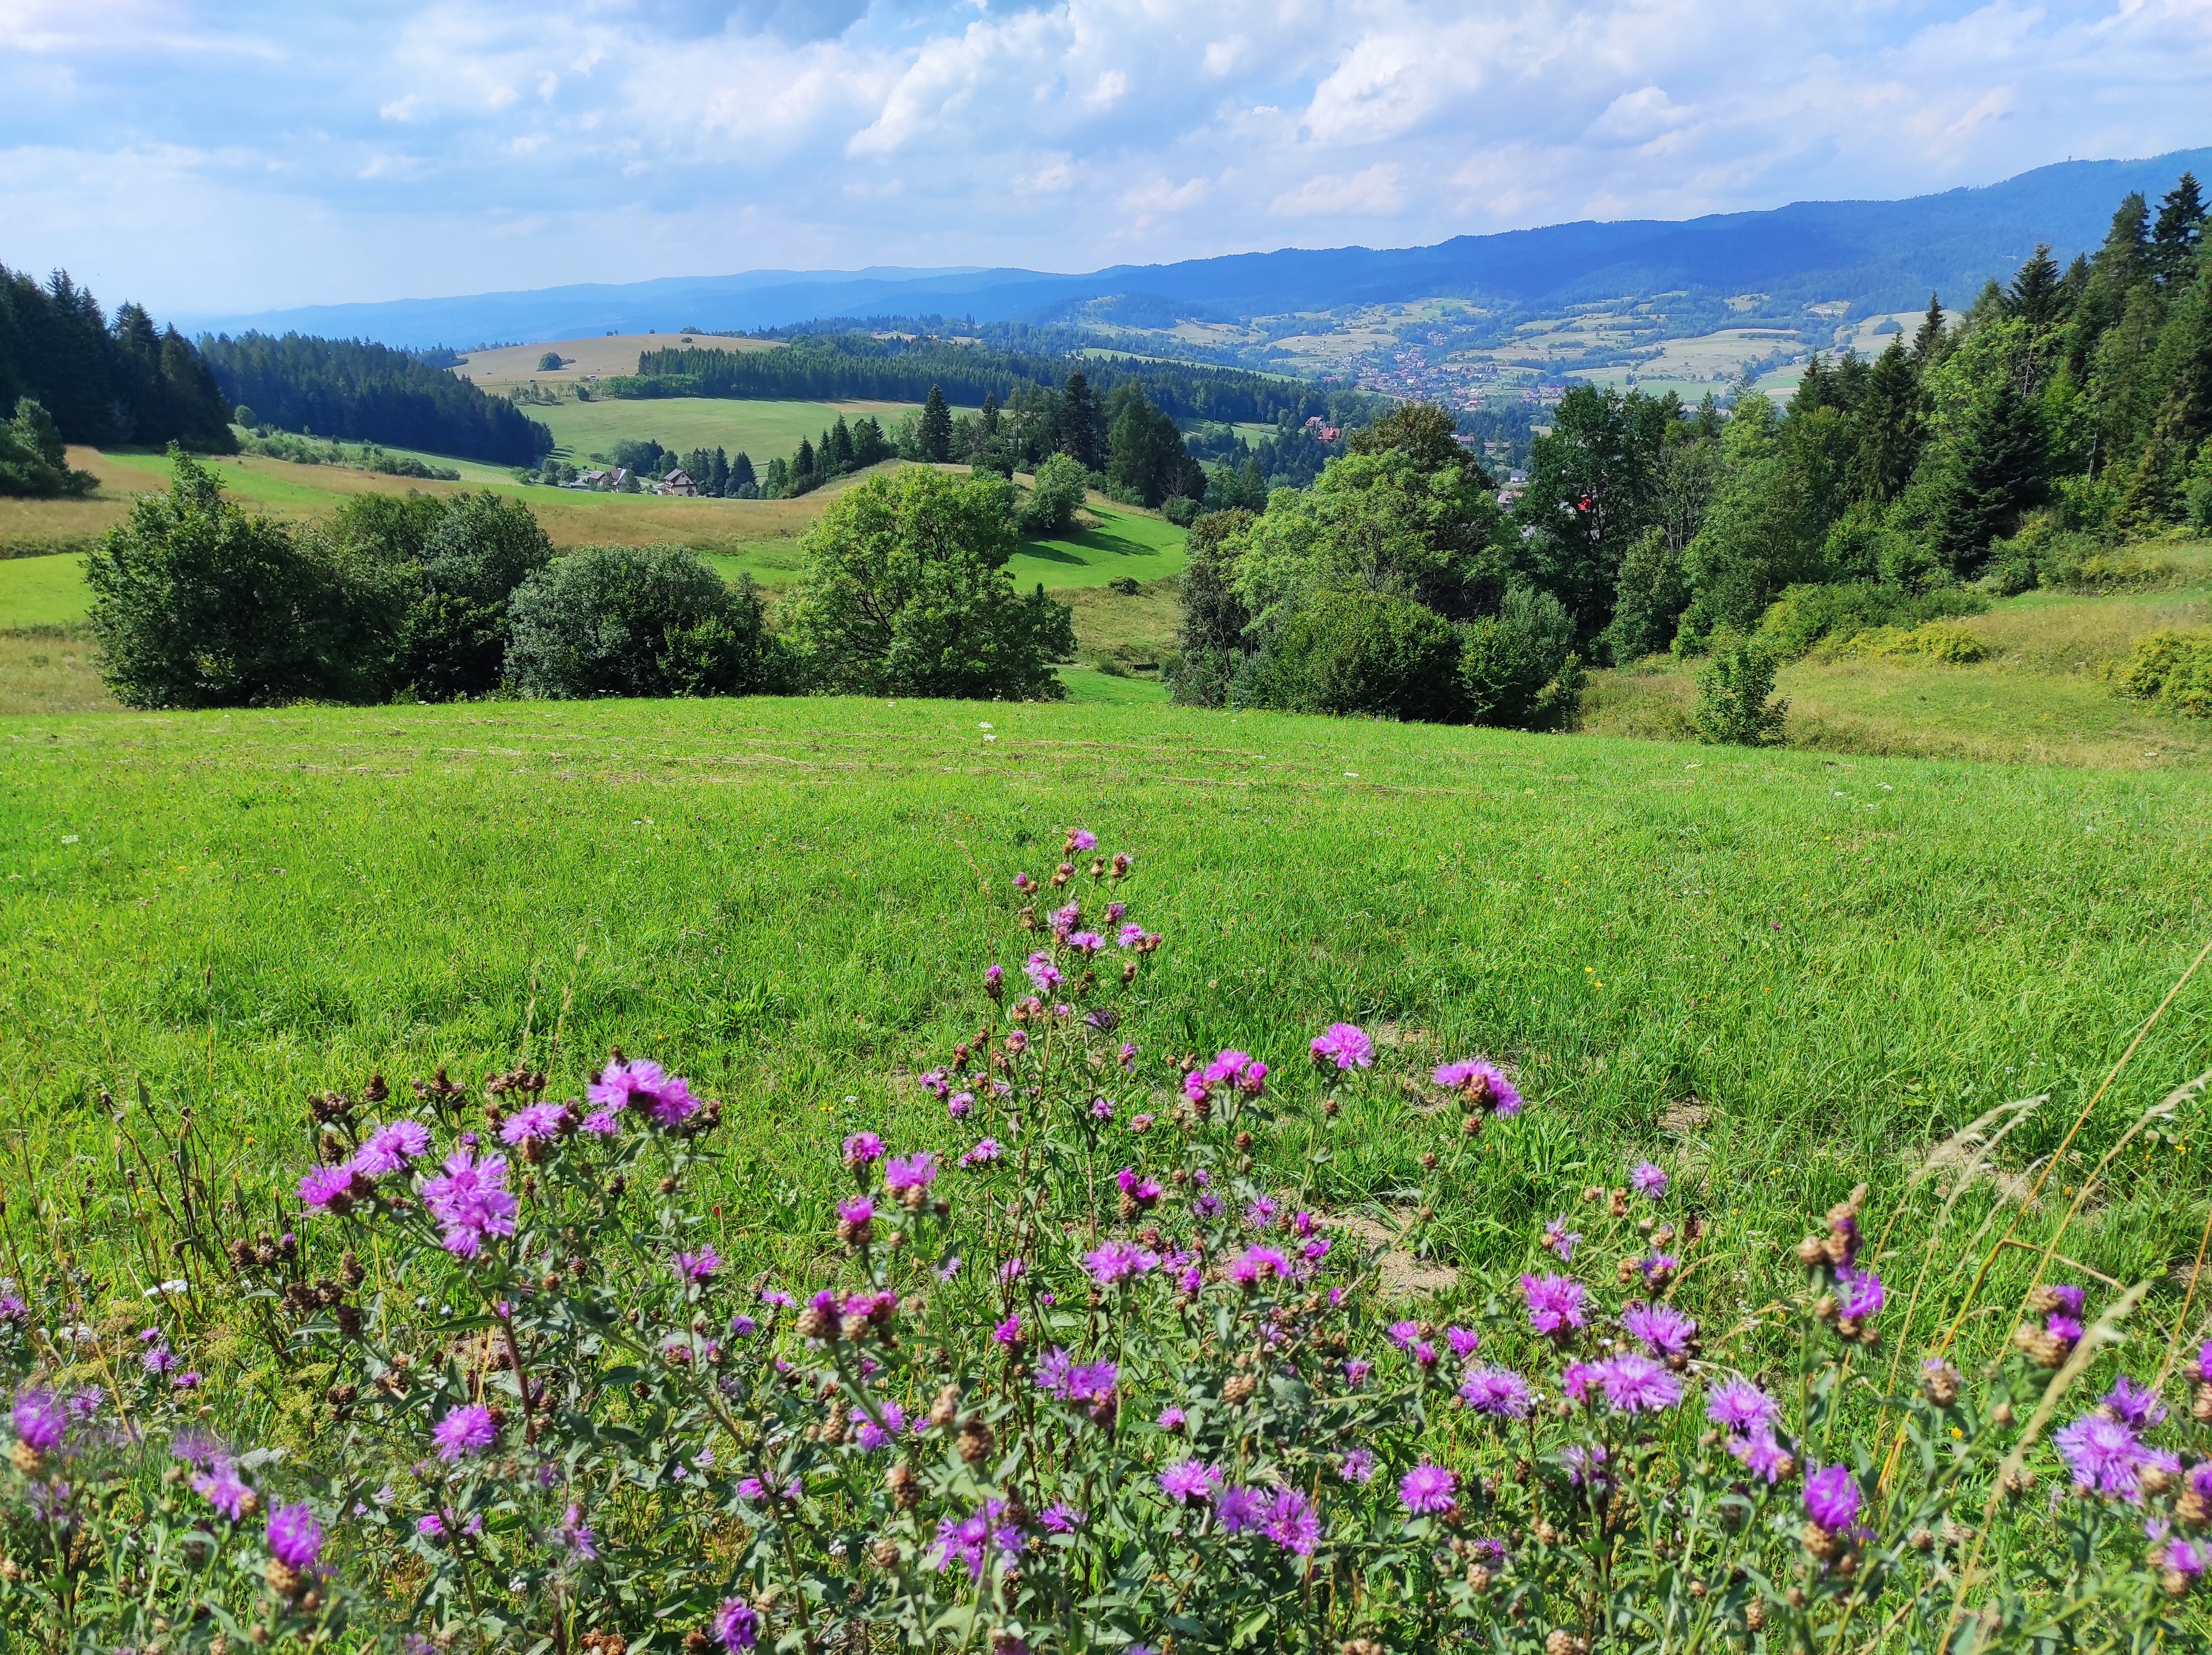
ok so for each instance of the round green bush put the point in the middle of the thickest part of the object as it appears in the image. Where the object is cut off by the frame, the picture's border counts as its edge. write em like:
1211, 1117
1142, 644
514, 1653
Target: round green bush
1367, 653
643, 621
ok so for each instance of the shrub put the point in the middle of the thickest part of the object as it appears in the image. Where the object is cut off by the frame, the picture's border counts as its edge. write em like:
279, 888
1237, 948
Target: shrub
194, 604
1127, 585
1518, 668
1806, 616
1050, 505
1735, 695
2172, 670
639, 621
1366, 652
33, 459
906, 593
1001, 1397
1180, 510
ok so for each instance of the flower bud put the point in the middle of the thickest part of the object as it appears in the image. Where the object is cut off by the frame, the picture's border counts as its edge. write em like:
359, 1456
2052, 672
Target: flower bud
946, 1407
905, 1487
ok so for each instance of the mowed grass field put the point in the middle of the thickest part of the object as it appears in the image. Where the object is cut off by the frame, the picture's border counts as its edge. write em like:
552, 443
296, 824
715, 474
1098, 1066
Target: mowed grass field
762, 430
1777, 974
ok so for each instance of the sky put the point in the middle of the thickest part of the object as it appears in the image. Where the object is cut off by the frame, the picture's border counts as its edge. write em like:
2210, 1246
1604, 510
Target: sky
206, 157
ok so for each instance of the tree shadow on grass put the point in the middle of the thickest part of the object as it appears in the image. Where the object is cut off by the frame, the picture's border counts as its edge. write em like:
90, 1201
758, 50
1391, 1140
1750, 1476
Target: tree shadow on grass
1090, 540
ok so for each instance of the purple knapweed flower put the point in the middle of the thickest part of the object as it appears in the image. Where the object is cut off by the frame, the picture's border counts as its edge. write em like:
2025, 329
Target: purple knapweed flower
1292, 1523
985, 1152
1634, 1383
698, 1266
1562, 1240
1085, 942
960, 1104
737, 1625
471, 1200
1043, 975
2136, 1404
915, 1172
1662, 1329
327, 1189
390, 1147
1585, 1465
1358, 1466
1256, 1265
221, 1486
856, 1212
1357, 1371
1831, 1499
294, 1537
1426, 1488
1647, 1180
1462, 1341
536, 1120
1762, 1456
1008, 1332
1555, 1303
2104, 1455
1504, 1098
1238, 1509
863, 1149
1171, 1419
1060, 1518
1737, 1405
466, 1430
1863, 1294
1189, 1480
1118, 1261
1130, 935
1102, 1108
41, 1419
2186, 1558
1497, 1391
1344, 1045
620, 1085
872, 1436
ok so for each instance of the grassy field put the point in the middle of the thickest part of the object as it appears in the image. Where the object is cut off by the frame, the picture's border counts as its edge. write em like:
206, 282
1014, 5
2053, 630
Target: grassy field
1777, 974
763, 430
611, 354
2044, 693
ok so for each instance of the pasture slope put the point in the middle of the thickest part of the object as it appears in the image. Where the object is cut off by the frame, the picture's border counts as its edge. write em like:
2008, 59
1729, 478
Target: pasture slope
1777, 973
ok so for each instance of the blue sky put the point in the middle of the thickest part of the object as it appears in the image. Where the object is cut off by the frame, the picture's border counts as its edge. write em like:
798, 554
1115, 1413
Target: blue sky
206, 157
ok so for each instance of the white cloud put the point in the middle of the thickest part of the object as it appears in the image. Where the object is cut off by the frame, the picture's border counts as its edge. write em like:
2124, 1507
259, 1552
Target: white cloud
1373, 190
721, 135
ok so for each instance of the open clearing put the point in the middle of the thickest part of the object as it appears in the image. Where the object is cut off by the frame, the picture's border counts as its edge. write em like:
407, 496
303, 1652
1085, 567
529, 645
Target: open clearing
1777, 974
600, 357
762, 430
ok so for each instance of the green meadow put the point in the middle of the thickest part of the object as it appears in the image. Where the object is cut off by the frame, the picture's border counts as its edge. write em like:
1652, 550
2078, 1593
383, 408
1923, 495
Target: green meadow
1779, 973
764, 430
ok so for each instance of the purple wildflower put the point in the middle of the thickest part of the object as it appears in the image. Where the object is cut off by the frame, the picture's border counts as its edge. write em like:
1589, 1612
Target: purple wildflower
1863, 1294
698, 1266
622, 1084
872, 1436
2137, 1404
1647, 1180
1762, 1456
2103, 1456
1239, 1509
1257, 1263
1504, 1098
856, 1212
914, 1172
471, 1201
737, 1625
1171, 1419
1344, 1045
2184, 1557
960, 1104
1117, 1261
390, 1147
220, 1486
1189, 1480
467, 1429
1292, 1523
1356, 1370
536, 1120
1737, 1405
1008, 1332
1562, 1240
41, 1419
1462, 1341
986, 1151
863, 1149
2063, 1327
1555, 1303
294, 1537
1634, 1383
1085, 941
1358, 1466
327, 1189
1585, 1463
1497, 1391
1661, 1329
1427, 1487
1060, 1518
1831, 1498
1043, 975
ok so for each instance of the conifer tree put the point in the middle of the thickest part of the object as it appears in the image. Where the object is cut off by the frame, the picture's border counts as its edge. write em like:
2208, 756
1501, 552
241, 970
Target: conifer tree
1928, 343
2034, 296
935, 431
1888, 421
1996, 472
2179, 231
840, 444
741, 472
802, 463
1078, 422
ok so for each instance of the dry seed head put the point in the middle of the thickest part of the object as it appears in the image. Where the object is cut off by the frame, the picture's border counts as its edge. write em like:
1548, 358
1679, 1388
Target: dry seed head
1755, 1616
946, 1407
905, 1487
976, 1441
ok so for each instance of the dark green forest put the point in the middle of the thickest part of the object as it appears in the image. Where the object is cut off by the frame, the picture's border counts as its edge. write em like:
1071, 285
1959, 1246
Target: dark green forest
2063, 413
857, 366
105, 381
364, 392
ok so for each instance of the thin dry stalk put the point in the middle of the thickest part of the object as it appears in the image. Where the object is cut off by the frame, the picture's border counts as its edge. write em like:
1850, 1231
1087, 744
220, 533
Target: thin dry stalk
2196, 1274
2081, 1119
2106, 1331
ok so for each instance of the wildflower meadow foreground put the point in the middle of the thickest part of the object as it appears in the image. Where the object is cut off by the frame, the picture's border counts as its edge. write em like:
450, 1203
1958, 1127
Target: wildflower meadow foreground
1069, 1377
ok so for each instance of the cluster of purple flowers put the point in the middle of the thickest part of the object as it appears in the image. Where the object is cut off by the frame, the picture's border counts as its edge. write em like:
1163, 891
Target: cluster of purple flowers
390, 1149
1631, 1383
1749, 1418
639, 1083
1482, 1082
471, 1199
1237, 1071
969, 1540
1060, 1375
1344, 1045
1556, 1304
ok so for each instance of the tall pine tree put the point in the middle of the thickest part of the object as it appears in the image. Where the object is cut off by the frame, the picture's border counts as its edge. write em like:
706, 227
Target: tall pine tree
2178, 234
1996, 471
935, 432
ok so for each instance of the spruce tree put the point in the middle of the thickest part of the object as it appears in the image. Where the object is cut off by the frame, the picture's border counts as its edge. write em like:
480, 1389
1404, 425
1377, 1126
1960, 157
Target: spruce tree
2034, 296
935, 432
1996, 472
1888, 428
741, 472
802, 463
840, 444
1928, 343
2179, 231
1078, 422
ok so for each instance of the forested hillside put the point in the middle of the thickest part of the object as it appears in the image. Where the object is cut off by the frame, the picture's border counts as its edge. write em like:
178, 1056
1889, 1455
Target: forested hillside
104, 382
2062, 415
351, 389
857, 365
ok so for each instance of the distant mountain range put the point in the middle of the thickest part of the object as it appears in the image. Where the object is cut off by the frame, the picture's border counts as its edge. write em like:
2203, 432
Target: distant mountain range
1873, 255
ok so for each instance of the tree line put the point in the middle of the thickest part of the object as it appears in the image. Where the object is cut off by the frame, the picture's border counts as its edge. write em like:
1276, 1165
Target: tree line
94, 381
198, 602
858, 367
365, 392
1978, 454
